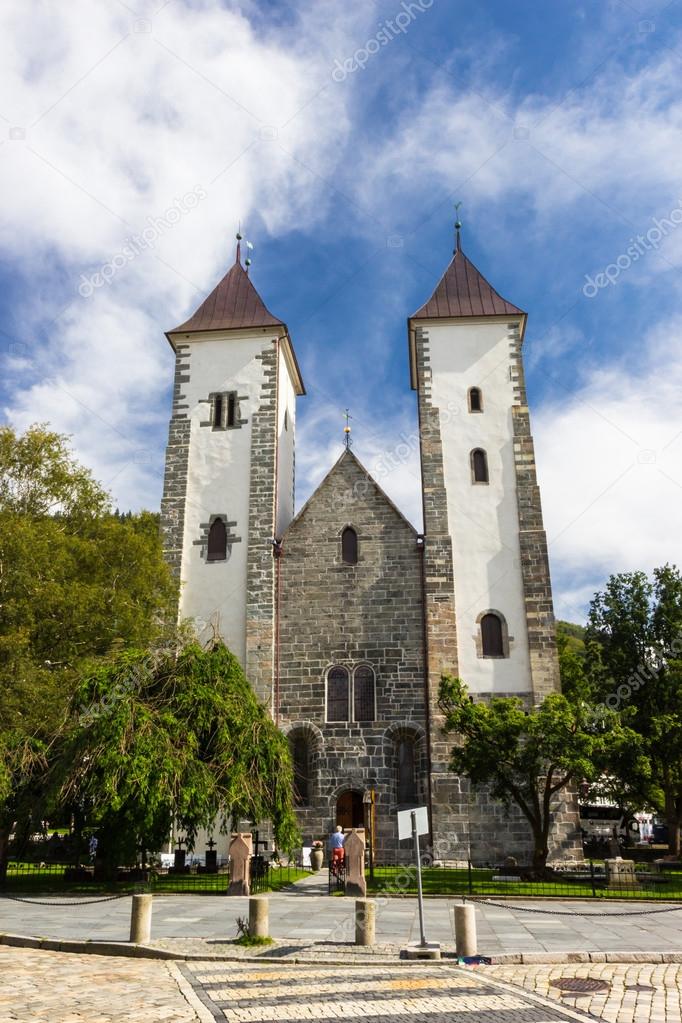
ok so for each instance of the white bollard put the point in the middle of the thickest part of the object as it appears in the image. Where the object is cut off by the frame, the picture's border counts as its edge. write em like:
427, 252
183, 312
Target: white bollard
141, 919
465, 930
365, 921
258, 917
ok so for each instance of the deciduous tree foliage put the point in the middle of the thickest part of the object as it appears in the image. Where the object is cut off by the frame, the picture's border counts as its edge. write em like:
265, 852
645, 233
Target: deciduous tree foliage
634, 667
167, 737
526, 757
76, 581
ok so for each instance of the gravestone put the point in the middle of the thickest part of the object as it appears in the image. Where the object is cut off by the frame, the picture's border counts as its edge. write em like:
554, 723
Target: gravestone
354, 850
620, 873
211, 859
240, 858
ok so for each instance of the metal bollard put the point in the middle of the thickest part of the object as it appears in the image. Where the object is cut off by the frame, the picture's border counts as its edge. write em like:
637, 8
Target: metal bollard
465, 930
141, 919
365, 921
258, 917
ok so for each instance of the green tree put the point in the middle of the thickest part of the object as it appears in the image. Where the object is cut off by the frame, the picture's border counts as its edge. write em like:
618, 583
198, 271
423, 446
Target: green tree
76, 581
170, 737
526, 757
634, 662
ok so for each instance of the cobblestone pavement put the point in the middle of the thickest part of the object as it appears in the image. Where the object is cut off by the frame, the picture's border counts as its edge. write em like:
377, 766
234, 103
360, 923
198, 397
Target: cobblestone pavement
424, 993
55, 987
634, 993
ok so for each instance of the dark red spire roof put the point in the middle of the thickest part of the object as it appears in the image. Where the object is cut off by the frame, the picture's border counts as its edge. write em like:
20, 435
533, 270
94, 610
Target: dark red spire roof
232, 304
464, 291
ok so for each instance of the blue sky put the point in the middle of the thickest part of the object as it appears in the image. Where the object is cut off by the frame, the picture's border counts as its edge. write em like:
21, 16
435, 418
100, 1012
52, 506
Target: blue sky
558, 127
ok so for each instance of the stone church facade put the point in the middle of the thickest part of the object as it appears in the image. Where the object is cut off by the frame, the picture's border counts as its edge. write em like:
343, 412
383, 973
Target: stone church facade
343, 616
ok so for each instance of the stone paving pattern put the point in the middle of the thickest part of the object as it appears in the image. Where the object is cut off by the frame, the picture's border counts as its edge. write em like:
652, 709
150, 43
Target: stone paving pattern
622, 1003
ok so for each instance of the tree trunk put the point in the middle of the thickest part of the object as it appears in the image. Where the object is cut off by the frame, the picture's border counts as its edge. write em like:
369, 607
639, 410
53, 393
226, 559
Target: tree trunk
540, 849
673, 822
4, 855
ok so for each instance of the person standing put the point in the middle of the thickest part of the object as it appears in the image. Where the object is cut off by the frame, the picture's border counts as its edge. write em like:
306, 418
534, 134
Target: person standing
336, 840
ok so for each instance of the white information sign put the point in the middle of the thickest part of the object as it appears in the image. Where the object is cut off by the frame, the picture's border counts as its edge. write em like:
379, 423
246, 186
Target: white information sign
405, 822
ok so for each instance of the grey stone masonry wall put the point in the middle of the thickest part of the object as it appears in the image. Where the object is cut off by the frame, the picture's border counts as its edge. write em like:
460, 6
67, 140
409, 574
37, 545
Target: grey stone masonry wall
537, 587
364, 614
177, 461
260, 572
448, 801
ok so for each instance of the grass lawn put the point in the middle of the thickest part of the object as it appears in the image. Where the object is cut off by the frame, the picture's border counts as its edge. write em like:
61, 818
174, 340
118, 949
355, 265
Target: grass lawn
451, 881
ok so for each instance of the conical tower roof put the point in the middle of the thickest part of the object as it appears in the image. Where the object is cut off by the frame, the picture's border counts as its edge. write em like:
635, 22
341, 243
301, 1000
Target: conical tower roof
464, 291
232, 305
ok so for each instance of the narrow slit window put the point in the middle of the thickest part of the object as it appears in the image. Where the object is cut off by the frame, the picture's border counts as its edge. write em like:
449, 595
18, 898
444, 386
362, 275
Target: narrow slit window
217, 541
406, 763
231, 409
349, 546
492, 640
475, 399
218, 412
300, 755
479, 466
363, 694
337, 694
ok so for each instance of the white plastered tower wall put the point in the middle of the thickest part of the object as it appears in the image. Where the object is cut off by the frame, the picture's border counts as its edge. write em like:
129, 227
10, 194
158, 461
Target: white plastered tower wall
214, 593
231, 456
483, 518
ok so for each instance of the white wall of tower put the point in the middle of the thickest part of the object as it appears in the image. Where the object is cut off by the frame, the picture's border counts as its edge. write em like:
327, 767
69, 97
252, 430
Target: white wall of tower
214, 593
483, 518
286, 431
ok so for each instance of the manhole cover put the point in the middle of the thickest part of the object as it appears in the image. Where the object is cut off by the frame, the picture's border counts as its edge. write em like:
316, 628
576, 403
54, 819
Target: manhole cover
580, 984
639, 987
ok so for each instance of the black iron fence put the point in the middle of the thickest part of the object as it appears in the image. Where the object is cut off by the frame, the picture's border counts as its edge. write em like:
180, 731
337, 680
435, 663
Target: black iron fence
593, 880
42, 877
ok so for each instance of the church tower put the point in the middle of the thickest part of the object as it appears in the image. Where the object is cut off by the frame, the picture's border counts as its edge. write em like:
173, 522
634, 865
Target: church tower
487, 587
229, 481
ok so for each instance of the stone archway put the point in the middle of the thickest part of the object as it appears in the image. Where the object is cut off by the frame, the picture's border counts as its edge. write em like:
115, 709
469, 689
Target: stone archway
350, 809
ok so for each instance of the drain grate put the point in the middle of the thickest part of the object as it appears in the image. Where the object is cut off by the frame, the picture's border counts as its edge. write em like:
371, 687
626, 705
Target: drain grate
580, 984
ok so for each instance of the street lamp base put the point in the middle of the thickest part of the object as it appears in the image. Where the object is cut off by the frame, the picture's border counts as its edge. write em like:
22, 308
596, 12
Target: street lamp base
431, 950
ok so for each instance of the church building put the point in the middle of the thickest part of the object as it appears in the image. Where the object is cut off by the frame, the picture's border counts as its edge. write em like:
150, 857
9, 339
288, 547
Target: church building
343, 615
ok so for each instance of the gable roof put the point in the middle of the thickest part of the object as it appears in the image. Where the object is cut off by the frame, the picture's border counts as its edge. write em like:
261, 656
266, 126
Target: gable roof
348, 454
233, 304
464, 291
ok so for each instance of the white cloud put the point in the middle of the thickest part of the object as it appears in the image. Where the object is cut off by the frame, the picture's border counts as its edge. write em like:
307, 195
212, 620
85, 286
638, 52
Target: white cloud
115, 116
610, 468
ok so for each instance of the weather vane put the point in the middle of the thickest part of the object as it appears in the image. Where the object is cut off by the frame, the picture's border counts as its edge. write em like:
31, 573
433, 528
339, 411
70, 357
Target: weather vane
346, 429
458, 226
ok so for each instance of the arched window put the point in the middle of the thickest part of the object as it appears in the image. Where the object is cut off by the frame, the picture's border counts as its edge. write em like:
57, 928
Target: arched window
337, 694
300, 755
479, 466
217, 541
492, 636
475, 399
406, 764
363, 694
349, 546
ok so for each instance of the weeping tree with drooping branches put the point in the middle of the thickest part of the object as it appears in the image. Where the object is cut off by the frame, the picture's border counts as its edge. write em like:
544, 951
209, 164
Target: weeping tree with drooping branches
173, 736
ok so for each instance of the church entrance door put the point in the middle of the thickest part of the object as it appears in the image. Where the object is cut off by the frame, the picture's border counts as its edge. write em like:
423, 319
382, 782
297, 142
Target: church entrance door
350, 810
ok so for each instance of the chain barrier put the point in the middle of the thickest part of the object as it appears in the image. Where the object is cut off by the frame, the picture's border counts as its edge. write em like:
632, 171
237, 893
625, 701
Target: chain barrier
65, 901
573, 912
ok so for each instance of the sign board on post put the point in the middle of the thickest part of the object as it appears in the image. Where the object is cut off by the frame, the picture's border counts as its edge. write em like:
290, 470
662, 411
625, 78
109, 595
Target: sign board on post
405, 822
413, 823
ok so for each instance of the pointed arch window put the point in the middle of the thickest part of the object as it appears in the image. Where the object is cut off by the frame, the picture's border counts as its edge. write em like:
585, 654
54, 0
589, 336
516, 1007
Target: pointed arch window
349, 546
363, 694
300, 755
338, 694
479, 466
492, 636
217, 541
475, 399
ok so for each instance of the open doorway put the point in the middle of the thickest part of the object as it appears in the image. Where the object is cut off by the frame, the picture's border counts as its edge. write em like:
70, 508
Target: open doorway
350, 811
